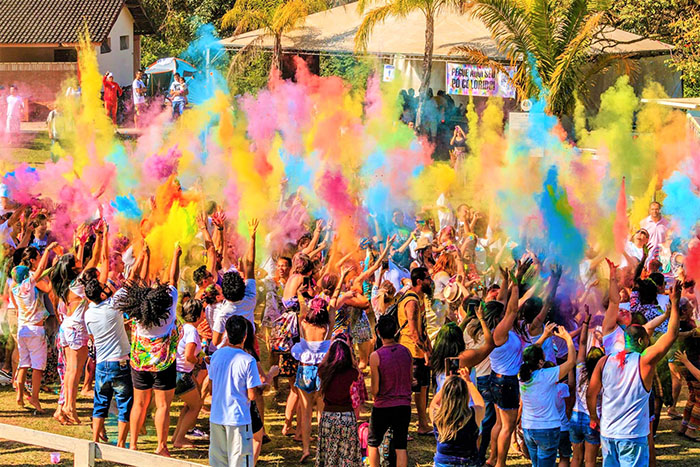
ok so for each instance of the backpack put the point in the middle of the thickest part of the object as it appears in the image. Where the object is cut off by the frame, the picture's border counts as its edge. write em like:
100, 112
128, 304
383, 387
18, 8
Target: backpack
285, 331
393, 311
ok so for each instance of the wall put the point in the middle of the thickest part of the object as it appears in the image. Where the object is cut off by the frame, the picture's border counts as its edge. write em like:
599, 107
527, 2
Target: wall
119, 62
37, 82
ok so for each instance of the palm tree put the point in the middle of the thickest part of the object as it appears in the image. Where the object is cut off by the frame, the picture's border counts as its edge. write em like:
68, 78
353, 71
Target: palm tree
555, 45
400, 9
274, 17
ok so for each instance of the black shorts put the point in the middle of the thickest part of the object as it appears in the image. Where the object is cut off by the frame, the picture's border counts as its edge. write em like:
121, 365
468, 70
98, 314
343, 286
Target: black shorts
421, 374
256, 422
162, 380
184, 383
383, 418
505, 391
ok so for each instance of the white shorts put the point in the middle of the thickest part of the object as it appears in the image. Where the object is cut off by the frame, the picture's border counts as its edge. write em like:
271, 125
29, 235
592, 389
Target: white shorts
230, 446
31, 345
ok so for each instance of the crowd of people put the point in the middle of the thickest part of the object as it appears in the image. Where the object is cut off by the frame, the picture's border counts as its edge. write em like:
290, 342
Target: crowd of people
488, 341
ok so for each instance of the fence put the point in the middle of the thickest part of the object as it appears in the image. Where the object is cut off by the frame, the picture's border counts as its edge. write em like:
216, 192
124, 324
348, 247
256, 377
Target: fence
84, 451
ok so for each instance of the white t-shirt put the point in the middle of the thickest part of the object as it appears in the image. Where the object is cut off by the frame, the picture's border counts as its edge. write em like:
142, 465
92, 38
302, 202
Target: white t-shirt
15, 104
30, 307
232, 372
244, 307
165, 328
105, 323
175, 86
189, 336
138, 98
562, 394
539, 397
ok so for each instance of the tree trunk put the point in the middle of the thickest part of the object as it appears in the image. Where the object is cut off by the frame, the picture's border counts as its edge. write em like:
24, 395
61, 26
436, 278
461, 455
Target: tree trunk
427, 65
277, 54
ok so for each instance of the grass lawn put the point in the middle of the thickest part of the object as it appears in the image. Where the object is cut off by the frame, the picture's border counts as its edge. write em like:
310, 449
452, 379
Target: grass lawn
281, 451
33, 150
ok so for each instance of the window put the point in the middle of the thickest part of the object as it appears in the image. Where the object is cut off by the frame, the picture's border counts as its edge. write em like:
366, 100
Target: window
123, 42
106, 46
65, 55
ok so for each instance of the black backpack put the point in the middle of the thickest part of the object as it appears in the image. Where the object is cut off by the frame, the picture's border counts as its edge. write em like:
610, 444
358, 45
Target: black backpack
393, 311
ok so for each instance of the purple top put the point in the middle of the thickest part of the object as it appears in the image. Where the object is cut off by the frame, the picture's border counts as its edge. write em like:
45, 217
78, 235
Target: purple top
395, 376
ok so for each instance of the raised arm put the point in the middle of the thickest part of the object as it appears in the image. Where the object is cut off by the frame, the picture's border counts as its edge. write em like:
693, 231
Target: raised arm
583, 336
314, 239
175, 265
472, 357
364, 275
44, 261
500, 333
549, 298
250, 255
654, 353
568, 365
610, 319
104, 255
657, 321
640, 267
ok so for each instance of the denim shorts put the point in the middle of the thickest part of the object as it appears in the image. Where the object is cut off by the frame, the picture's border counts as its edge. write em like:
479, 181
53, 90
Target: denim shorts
113, 379
543, 445
580, 429
505, 391
307, 378
633, 452
184, 383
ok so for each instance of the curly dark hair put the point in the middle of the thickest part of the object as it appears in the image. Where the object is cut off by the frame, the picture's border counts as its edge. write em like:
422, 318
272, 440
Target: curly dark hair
93, 290
148, 306
233, 286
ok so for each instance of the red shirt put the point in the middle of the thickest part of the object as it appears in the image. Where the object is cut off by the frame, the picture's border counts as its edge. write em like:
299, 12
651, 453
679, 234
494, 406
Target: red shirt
337, 396
111, 90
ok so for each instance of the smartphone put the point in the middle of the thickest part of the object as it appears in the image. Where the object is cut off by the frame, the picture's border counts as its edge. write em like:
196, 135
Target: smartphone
452, 366
471, 309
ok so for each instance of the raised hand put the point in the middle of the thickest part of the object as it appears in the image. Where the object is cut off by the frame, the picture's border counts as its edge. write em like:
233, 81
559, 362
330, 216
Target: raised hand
253, 226
676, 292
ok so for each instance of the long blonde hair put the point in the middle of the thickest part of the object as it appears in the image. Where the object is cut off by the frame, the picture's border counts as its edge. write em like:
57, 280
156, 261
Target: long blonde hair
454, 412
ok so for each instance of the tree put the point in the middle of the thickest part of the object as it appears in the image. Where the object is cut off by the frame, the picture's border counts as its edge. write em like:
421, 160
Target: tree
400, 9
274, 17
676, 22
177, 22
556, 46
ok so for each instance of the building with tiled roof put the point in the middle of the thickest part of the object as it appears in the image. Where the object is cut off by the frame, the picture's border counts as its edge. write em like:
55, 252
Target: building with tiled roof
38, 40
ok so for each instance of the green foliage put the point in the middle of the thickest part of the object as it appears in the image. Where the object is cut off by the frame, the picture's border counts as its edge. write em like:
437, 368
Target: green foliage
550, 43
687, 53
676, 22
352, 69
176, 22
253, 76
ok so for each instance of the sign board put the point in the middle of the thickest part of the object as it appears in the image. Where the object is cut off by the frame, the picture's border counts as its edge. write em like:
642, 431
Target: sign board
475, 80
388, 73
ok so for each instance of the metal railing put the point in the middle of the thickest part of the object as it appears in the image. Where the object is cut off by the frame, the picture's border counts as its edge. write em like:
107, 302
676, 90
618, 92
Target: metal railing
84, 451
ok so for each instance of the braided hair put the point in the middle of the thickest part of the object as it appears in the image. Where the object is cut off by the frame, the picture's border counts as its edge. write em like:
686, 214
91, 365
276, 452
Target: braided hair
148, 306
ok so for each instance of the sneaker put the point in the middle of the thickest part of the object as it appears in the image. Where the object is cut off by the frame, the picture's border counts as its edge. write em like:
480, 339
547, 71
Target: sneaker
5, 380
197, 434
